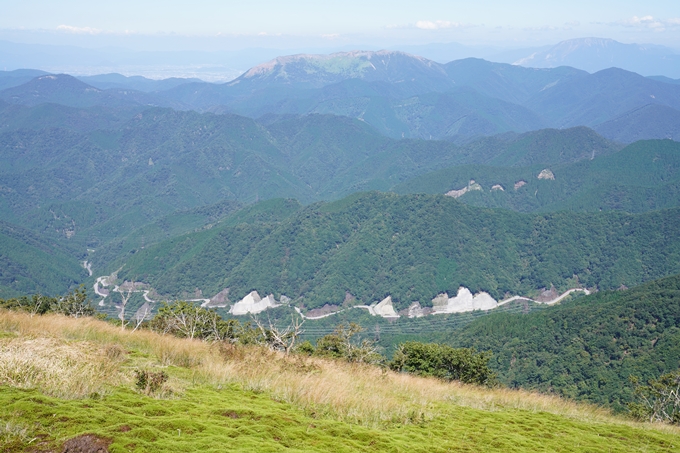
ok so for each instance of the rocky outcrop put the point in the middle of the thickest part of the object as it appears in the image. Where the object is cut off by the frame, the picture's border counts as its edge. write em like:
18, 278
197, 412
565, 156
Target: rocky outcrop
459, 193
219, 300
546, 174
384, 308
416, 311
252, 303
463, 302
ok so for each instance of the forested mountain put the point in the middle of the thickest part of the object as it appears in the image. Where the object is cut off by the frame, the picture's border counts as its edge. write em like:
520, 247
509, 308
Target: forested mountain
31, 264
67, 90
47, 116
99, 169
17, 77
110, 173
601, 97
643, 176
586, 348
139, 83
400, 95
649, 121
410, 247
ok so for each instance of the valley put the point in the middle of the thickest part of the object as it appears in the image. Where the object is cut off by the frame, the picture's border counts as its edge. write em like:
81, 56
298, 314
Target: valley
256, 259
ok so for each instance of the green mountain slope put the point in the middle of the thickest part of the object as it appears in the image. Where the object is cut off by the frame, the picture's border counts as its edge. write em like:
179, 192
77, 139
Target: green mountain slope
585, 348
649, 121
545, 146
412, 248
641, 177
30, 264
44, 116
115, 180
67, 90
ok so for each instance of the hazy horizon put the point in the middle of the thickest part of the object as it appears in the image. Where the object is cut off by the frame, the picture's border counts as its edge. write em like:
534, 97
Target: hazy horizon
216, 41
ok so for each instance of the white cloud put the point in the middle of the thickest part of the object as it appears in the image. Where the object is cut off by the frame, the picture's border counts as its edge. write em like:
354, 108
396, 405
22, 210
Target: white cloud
436, 25
648, 22
79, 30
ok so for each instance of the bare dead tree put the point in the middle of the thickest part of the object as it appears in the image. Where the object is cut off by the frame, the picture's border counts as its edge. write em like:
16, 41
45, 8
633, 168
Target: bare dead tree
141, 315
281, 339
125, 296
37, 304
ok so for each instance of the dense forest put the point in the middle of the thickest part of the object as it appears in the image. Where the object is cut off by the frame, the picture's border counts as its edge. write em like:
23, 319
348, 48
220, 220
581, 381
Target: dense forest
412, 247
587, 348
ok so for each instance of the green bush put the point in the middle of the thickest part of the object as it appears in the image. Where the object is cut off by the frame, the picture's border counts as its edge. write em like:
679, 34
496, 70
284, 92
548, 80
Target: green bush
150, 382
186, 320
340, 345
442, 361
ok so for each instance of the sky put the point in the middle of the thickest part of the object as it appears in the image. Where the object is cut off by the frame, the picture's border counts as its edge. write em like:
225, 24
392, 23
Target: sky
233, 25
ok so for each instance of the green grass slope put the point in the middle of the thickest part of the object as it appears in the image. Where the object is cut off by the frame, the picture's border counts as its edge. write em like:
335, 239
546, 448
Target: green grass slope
255, 400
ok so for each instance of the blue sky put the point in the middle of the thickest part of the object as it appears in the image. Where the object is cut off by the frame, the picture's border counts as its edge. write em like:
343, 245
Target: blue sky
395, 22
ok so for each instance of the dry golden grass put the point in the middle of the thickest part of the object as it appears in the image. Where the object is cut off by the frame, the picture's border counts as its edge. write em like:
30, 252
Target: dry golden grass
57, 367
357, 393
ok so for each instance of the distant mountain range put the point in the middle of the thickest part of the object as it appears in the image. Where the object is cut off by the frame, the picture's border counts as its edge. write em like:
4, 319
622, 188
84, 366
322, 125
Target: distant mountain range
67, 90
419, 98
400, 95
96, 163
415, 98
596, 54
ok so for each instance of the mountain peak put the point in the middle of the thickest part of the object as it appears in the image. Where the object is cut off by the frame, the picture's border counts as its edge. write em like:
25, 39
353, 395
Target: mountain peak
594, 54
330, 62
315, 70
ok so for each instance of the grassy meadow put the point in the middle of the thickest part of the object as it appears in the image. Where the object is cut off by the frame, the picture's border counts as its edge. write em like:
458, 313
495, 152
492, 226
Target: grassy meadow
61, 378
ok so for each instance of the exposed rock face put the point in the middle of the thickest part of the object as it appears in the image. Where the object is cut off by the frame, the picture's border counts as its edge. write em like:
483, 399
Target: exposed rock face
546, 174
327, 309
416, 311
220, 299
463, 302
548, 294
497, 187
441, 300
520, 183
385, 308
252, 303
459, 193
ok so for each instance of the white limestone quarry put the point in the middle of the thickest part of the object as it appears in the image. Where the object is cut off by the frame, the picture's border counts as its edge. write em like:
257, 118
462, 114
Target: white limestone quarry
546, 174
463, 302
520, 183
460, 192
252, 303
384, 308
416, 311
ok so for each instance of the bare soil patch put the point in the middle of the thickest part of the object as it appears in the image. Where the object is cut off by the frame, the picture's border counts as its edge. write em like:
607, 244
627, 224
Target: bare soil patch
87, 443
